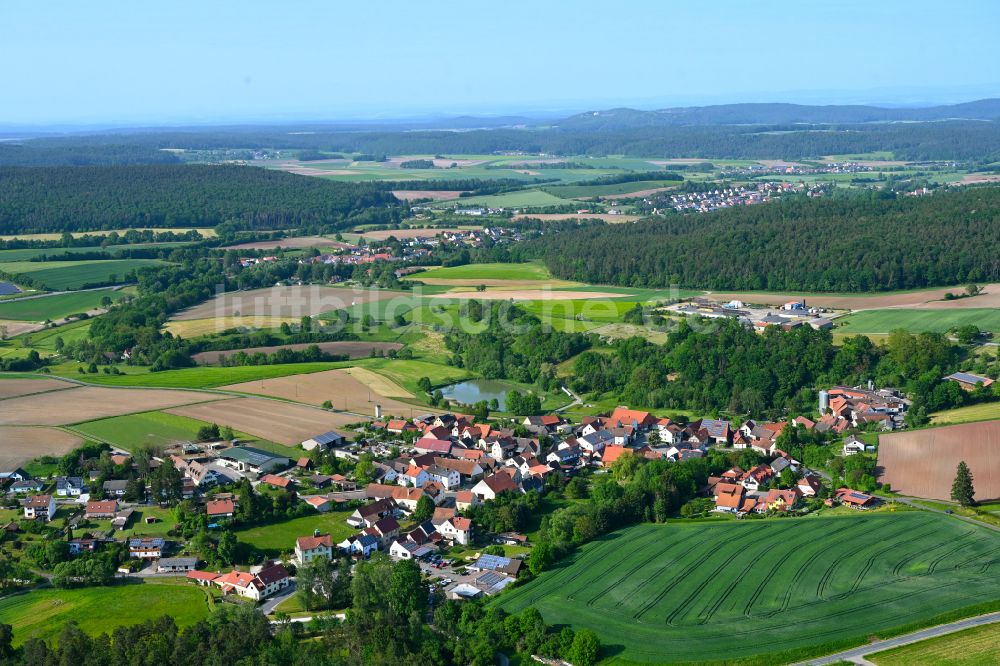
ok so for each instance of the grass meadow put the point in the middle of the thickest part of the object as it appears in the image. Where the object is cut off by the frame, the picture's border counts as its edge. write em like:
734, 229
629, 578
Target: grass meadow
917, 321
42, 613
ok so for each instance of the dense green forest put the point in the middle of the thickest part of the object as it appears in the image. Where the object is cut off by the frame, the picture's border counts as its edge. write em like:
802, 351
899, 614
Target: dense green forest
50, 199
972, 140
858, 242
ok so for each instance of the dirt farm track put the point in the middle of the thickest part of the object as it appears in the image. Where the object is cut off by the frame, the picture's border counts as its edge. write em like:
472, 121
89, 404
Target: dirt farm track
922, 463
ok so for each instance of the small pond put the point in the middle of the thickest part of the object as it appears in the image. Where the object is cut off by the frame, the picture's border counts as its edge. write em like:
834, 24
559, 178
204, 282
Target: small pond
474, 390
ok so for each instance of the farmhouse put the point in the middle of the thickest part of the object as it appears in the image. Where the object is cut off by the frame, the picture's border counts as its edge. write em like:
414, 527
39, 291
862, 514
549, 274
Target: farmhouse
220, 508
40, 507
366, 516
69, 486
855, 499
101, 510
146, 548
458, 529
494, 485
257, 586
308, 548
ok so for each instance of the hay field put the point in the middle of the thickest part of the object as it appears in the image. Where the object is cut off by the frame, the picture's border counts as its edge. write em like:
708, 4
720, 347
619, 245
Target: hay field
192, 328
91, 402
282, 422
22, 445
13, 388
349, 392
352, 349
285, 301
922, 462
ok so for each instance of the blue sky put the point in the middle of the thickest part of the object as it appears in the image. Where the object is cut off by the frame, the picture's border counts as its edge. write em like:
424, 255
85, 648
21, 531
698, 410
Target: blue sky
132, 61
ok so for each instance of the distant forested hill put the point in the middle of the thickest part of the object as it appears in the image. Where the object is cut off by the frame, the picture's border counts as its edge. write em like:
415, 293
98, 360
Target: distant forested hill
50, 199
853, 242
622, 132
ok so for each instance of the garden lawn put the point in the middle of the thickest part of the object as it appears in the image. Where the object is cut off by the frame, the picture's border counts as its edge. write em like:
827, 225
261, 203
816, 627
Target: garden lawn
43, 613
746, 590
56, 306
277, 538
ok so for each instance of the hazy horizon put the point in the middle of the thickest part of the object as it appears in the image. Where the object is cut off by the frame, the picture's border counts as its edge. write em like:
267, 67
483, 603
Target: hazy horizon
124, 65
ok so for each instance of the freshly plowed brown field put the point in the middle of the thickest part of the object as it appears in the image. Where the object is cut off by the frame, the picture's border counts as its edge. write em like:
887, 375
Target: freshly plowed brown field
436, 195
281, 422
350, 348
922, 462
91, 402
12, 388
21, 445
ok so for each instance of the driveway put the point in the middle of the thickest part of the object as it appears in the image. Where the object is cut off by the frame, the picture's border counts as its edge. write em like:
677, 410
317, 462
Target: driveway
272, 602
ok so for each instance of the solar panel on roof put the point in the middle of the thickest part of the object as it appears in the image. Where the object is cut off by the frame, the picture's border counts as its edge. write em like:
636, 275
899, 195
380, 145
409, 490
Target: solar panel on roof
490, 579
492, 562
859, 496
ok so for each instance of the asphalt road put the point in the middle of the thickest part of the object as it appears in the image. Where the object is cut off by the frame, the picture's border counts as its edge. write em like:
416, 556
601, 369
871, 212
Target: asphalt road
857, 654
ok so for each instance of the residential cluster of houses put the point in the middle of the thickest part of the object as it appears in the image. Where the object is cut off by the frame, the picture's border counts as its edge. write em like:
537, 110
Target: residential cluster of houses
728, 197
257, 584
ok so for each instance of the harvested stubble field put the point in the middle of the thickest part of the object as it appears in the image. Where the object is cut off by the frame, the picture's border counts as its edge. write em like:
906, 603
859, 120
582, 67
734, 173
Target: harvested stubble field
297, 243
922, 462
282, 422
90, 402
924, 298
192, 328
285, 302
350, 348
18, 446
745, 589
12, 388
346, 392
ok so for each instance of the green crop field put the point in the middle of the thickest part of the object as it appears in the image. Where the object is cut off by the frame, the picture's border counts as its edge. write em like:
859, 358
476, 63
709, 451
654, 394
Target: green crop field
473, 272
151, 428
916, 321
744, 589
277, 538
518, 199
582, 191
200, 377
55, 306
972, 647
75, 274
43, 613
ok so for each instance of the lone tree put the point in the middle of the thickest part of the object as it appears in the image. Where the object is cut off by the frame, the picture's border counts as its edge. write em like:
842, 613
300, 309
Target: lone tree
962, 490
